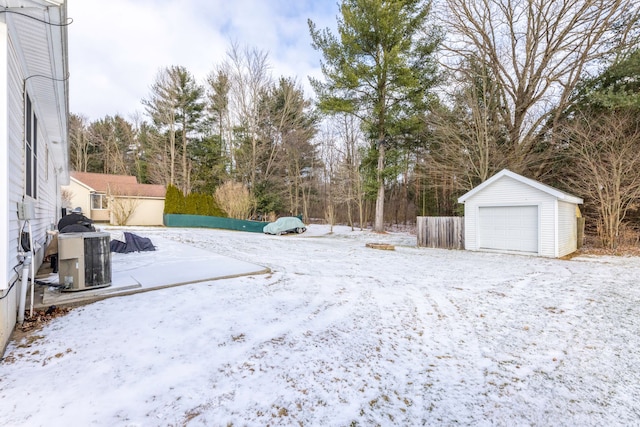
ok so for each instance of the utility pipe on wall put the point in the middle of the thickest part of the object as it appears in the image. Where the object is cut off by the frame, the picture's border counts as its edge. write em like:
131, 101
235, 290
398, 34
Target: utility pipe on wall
23, 286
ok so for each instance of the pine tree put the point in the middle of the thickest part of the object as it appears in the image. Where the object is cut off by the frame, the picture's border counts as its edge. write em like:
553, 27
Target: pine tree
380, 69
176, 107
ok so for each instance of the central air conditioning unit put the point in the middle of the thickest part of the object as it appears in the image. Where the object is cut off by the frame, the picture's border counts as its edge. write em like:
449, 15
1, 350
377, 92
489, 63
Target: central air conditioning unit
84, 261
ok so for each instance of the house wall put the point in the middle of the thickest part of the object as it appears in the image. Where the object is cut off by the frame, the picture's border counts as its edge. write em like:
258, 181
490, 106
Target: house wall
567, 228
146, 211
80, 197
46, 205
509, 192
8, 296
98, 215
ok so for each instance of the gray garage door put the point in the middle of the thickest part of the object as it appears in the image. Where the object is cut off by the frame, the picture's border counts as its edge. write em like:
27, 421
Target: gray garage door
509, 228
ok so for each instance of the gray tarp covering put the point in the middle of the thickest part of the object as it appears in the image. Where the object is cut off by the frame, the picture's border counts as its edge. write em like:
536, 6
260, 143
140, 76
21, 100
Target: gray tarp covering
131, 243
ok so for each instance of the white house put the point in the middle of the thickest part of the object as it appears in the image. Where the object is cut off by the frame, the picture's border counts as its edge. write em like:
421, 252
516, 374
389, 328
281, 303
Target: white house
33, 129
511, 213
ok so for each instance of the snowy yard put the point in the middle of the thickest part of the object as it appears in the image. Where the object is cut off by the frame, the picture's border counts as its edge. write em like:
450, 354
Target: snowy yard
338, 335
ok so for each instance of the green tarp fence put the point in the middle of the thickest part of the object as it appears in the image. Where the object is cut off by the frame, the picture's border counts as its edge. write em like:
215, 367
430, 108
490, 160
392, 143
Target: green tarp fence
202, 221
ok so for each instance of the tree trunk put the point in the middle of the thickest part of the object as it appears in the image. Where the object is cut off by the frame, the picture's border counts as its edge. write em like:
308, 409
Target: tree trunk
379, 220
172, 154
185, 170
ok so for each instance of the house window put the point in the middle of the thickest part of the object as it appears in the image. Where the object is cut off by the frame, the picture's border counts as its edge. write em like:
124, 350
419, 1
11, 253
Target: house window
99, 201
31, 151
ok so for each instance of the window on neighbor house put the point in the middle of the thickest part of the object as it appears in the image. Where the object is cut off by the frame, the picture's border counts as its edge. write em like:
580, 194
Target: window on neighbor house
99, 201
31, 150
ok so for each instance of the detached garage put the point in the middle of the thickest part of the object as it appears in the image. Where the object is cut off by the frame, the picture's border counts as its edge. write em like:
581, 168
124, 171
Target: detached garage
511, 213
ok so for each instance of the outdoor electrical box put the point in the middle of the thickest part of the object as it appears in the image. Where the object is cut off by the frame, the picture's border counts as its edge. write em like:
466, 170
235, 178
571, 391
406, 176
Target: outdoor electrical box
84, 261
26, 211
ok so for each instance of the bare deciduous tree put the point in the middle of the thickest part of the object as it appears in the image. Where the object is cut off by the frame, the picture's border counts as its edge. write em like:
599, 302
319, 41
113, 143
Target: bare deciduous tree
79, 142
351, 186
122, 208
234, 198
605, 158
537, 50
468, 139
249, 78
341, 145
122, 204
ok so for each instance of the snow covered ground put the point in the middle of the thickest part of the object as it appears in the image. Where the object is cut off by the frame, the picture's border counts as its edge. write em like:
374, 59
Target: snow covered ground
340, 334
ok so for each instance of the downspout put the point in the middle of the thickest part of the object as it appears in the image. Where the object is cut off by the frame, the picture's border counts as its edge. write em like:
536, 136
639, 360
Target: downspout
23, 286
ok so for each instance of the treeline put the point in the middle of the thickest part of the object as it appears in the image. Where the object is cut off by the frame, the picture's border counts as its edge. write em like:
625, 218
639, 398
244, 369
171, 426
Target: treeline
416, 107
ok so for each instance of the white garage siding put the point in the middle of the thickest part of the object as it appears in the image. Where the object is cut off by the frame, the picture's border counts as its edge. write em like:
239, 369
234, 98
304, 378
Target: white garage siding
511, 192
506, 212
567, 229
508, 228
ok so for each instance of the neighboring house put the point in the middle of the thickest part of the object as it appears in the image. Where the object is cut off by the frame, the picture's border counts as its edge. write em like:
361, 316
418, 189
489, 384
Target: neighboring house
511, 213
116, 199
33, 131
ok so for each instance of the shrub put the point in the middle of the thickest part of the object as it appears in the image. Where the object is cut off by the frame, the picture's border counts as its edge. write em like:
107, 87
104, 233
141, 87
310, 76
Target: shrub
193, 204
235, 199
174, 202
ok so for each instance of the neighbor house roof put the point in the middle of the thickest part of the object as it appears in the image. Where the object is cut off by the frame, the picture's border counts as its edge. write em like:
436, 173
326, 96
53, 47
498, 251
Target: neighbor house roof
561, 195
140, 190
117, 185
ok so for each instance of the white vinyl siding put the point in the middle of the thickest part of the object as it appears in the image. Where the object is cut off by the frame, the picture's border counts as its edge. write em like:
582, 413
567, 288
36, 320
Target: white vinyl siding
47, 190
31, 55
567, 229
508, 228
6, 165
15, 146
510, 192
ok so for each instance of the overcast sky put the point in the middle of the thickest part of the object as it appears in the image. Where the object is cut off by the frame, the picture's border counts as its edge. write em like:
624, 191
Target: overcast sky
116, 48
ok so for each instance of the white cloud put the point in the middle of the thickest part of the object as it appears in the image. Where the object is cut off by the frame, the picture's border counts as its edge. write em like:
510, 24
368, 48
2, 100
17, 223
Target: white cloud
117, 48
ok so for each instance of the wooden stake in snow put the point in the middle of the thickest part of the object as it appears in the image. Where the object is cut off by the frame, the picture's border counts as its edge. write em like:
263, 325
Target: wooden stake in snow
383, 246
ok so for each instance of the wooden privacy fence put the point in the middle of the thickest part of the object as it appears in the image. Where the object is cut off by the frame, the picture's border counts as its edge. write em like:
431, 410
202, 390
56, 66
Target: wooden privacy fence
446, 232
581, 224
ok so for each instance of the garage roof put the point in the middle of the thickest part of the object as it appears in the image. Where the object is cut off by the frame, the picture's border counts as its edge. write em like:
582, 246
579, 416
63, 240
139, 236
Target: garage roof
561, 195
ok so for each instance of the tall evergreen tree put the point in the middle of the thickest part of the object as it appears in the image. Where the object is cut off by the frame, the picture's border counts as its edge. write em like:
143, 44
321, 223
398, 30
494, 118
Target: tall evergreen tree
175, 105
293, 156
617, 87
111, 137
379, 68
219, 85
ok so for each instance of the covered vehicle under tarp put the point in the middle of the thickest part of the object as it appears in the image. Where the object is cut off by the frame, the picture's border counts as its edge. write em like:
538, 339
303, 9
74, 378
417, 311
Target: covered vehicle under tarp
285, 225
128, 242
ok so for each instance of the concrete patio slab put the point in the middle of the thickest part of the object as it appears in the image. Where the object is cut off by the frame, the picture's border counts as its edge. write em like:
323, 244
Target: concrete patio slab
172, 264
